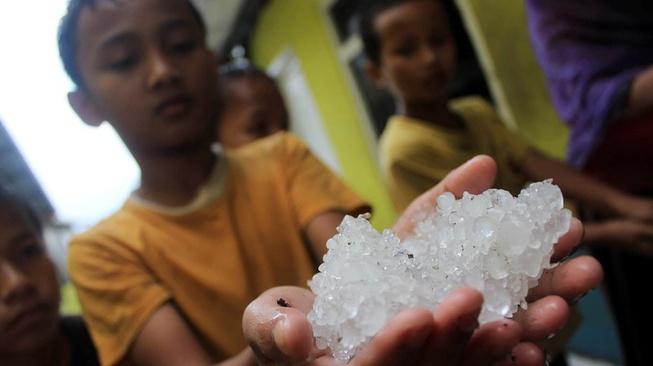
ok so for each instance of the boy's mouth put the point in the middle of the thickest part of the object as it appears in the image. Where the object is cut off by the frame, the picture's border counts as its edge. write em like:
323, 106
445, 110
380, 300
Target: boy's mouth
174, 107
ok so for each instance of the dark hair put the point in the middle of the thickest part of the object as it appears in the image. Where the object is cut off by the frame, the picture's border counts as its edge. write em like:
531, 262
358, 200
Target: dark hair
67, 39
240, 68
8, 199
367, 13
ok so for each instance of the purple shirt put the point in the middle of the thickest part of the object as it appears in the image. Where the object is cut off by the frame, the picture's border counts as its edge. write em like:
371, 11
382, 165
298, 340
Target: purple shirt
590, 50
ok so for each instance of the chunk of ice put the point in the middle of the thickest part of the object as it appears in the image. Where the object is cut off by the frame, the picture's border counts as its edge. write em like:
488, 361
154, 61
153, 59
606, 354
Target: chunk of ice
493, 242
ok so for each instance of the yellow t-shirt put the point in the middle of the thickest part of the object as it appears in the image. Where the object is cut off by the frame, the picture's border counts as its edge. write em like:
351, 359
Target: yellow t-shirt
416, 155
211, 258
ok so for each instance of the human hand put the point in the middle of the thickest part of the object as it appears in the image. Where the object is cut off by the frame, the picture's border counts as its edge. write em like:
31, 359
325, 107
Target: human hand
281, 335
278, 331
635, 208
631, 235
557, 287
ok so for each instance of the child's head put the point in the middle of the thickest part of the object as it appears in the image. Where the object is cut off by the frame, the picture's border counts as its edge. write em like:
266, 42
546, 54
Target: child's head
143, 66
29, 287
252, 108
409, 48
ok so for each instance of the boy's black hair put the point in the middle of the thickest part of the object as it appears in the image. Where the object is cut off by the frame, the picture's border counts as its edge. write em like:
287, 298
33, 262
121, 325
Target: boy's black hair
67, 39
9, 199
367, 13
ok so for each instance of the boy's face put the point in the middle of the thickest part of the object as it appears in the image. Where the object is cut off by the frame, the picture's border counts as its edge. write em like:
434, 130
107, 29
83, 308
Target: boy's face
29, 290
253, 109
148, 72
417, 51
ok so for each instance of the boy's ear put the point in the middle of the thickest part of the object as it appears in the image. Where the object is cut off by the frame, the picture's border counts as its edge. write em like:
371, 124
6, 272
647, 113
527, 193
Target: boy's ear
374, 72
83, 105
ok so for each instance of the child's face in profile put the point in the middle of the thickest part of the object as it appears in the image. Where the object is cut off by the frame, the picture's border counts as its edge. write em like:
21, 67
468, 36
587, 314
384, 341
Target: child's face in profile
254, 108
417, 50
147, 71
29, 290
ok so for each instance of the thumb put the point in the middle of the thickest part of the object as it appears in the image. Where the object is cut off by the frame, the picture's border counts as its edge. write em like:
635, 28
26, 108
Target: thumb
276, 327
475, 176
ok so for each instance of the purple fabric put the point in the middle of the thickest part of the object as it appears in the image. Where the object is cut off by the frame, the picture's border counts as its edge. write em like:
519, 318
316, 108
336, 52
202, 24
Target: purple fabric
589, 51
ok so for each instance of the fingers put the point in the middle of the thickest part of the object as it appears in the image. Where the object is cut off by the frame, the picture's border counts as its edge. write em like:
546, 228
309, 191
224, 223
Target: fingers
417, 337
571, 279
524, 354
455, 320
276, 327
569, 242
542, 318
492, 342
475, 176
400, 342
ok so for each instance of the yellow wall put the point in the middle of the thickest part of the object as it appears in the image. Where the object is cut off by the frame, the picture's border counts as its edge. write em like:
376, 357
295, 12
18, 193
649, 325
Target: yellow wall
301, 25
501, 39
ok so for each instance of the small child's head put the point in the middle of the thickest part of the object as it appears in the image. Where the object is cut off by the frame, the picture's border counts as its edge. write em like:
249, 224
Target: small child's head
252, 105
29, 287
143, 66
409, 48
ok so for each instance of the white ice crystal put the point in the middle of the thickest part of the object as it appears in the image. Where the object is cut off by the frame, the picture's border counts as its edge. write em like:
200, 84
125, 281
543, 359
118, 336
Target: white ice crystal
493, 242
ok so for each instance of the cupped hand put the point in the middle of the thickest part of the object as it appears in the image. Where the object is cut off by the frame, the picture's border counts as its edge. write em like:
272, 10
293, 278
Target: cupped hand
282, 335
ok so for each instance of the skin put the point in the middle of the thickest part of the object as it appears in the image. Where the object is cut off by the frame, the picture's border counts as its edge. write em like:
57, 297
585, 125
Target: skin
165, 112
417, 63
29, 295
253, 108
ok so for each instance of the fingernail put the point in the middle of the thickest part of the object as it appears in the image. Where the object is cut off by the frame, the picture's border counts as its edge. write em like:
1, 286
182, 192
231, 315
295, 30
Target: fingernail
418, 338
279, 334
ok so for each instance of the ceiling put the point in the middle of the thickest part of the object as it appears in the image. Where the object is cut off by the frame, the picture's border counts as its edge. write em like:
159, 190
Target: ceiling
220, 16
229, 22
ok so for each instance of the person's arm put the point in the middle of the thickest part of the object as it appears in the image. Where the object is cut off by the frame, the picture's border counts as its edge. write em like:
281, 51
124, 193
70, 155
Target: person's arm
167, 340
322, 228
281, 335
586, 191
631, 235
640, 95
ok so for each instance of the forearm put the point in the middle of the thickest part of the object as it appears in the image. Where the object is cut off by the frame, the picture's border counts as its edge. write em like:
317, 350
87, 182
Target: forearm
640, 96
575, 185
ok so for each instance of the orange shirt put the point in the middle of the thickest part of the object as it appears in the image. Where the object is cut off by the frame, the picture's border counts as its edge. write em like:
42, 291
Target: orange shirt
241, 236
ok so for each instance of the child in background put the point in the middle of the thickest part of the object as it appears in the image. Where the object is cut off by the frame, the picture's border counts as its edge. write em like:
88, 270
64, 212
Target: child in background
252, 104
31, 330
410, 51
166, 279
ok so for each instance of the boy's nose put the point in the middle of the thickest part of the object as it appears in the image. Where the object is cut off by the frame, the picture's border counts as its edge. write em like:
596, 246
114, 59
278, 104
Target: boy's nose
162, 70
13, 282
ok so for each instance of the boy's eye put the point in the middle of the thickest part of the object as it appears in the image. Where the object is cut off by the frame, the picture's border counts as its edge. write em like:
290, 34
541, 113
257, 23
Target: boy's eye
123, 64
405, 50
183, 47
31, 251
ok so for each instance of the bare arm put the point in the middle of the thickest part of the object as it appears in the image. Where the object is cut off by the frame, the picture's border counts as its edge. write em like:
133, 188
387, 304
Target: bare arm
640, 95
167, 340
320, 229
585, 190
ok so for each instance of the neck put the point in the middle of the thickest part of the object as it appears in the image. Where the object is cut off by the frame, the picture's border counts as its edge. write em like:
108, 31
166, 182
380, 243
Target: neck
173, 179
54, 353
437, 113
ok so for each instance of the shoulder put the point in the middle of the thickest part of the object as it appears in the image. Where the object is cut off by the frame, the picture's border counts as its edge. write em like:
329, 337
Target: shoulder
279, 148
473, 104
